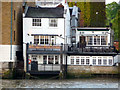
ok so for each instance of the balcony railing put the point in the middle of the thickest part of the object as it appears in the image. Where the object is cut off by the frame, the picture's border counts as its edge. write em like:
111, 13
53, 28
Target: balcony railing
70, 48
44, 67
107, 49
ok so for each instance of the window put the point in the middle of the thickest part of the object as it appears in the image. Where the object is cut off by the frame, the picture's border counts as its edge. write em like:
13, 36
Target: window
56, 59
99, 61
50, 59
36, 22
110, 61
14, 14
105, 61
82, 61
103, 40
94, 60
89, 40
41, 39
53, 22
44, 59
96, 40
14, 36
34, 57
77, 60
36, 39
87, 61
72, 60
46, 40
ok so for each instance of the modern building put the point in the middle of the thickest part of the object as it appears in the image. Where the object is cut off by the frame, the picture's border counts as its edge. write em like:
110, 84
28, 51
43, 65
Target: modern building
10, 32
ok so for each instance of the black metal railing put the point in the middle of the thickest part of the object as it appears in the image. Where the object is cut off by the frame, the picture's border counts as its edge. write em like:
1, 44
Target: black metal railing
71, 48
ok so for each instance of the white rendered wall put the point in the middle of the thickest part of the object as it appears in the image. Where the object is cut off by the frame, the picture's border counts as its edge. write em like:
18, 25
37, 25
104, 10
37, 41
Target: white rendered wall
67, 23
5, 51
117, 59
44, 29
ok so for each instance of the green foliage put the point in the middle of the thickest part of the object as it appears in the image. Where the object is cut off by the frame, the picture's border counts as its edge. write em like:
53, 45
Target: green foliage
88, 13
113, 16
97, 14
111, 11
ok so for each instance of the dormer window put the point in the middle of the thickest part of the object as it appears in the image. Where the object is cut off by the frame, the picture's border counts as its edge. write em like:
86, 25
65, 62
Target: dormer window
53, 22
36, 22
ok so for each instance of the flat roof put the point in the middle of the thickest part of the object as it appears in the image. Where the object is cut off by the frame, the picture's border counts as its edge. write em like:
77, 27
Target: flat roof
93, 29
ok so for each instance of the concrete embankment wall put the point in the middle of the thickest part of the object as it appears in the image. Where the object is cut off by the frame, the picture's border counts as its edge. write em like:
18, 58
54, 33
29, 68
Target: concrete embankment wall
89, 70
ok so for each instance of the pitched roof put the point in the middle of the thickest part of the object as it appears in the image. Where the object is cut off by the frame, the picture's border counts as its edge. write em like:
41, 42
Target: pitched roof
38, 12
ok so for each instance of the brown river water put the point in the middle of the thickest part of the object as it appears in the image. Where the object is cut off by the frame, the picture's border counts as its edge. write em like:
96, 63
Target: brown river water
66, 83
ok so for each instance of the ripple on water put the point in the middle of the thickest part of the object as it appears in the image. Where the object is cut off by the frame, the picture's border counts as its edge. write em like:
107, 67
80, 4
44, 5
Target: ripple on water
71, 83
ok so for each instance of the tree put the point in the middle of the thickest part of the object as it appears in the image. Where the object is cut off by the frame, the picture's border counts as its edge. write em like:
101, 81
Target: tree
112, 13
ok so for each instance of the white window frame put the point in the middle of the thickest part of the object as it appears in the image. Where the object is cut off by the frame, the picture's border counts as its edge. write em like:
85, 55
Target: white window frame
50, 39
72, 61
36, 40
99, 58
87, 58
98, 39
104, 59
36, 22
77, 59
53, 22
82, 59
94, 60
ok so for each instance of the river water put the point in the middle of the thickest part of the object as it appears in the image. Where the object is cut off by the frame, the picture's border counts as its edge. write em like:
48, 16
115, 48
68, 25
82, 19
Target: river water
66, 83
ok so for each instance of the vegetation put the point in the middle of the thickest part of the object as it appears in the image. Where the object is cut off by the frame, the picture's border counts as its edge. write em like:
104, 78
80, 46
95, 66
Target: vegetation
88, 16
113, 17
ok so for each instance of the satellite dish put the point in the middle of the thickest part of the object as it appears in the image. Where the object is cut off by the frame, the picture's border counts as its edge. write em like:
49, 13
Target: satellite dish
48, 3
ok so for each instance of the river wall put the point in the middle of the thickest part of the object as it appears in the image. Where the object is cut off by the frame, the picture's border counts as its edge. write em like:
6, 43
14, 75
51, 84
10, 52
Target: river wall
91, 70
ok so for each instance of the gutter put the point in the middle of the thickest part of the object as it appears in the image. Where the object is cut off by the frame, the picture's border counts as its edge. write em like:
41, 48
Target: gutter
11, 32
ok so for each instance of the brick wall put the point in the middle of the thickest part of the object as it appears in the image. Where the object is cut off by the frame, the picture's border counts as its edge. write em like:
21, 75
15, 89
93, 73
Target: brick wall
16, 23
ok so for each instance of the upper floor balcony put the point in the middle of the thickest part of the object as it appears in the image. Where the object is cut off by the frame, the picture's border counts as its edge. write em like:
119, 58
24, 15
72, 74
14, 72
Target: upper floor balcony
74, 49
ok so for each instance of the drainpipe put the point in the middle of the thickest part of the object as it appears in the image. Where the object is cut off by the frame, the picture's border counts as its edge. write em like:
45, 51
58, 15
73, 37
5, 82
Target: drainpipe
11, 31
